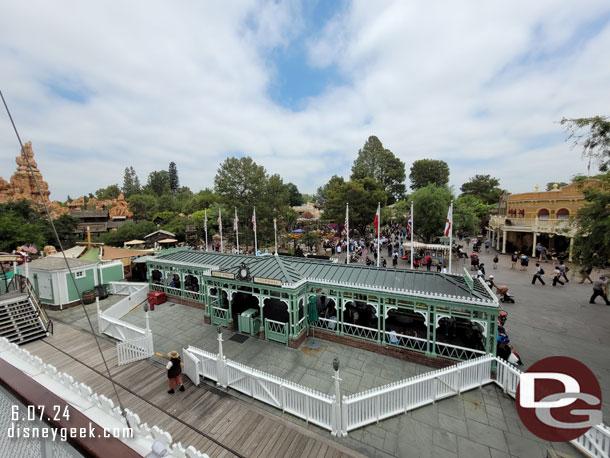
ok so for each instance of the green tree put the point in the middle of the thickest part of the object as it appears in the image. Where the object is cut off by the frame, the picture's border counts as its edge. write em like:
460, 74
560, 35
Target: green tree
311, 240
294, 195
334, 182
200, 201
484, 187
430, 207
158, 183
20, 224
108, 193
167, 203
163, 217
468, 212
143, 206
174, 182
363, 196
592, 241
429, 171
128, 183
595, 140
551, 185
375, 161
65, 226
128, 231
177, 226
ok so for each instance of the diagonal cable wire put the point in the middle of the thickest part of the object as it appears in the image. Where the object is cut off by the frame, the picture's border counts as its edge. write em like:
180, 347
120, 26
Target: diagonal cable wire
46, 209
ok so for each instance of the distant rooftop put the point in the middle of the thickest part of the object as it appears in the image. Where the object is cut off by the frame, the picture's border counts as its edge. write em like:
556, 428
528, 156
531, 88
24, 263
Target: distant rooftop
51, 263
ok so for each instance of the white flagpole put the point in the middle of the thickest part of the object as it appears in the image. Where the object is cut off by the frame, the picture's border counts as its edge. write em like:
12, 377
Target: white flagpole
450, 236
205, 225
275, 230
236, 224
347, 229
412, 226
254, 227
222, 249
378, 231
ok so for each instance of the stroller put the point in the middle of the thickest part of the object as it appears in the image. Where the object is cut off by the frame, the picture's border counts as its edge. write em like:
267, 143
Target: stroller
504, 296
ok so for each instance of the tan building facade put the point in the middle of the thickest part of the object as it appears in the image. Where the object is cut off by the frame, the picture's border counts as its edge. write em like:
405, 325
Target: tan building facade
546, 217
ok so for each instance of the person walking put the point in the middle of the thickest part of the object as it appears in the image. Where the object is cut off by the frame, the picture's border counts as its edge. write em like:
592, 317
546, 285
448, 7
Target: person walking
585, 274
394, 259
173, 371
495, 261
599, 289
538, 274
487, 244
514, 258
524, 262
557, 276
563, 271
428, 262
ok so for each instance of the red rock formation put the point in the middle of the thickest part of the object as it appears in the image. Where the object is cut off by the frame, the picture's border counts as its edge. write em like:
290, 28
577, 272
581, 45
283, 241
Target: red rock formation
23, 187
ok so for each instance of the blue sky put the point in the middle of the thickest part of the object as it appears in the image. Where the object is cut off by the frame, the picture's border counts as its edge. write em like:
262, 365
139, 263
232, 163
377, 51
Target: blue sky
300, 86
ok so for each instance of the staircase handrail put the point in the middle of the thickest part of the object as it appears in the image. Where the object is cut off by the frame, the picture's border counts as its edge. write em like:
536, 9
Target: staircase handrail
48, 324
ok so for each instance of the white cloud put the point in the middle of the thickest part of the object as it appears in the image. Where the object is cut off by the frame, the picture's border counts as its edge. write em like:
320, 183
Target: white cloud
474, 84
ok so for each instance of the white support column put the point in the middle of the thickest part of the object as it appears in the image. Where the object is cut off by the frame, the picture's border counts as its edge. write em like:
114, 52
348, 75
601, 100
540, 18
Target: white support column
503, 242
571, 249
534, 245
337, 430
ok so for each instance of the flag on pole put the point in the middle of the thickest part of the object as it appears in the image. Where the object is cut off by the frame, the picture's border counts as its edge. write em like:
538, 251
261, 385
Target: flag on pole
219, 218
205, 228
449, 221
254, 219
409, 225
222, 248
347, 230
376, 222
235, 220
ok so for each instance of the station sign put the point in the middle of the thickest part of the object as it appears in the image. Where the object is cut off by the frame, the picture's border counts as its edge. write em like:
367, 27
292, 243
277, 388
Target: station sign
216, 273
267, 281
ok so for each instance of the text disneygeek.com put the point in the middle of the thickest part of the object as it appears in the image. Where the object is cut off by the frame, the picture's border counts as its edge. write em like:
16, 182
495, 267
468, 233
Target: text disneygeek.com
26, 431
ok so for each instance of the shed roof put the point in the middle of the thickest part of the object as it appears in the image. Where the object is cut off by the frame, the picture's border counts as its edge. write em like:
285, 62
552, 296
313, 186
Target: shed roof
110, 252
73, 252
52, 263
160, 231
291, 270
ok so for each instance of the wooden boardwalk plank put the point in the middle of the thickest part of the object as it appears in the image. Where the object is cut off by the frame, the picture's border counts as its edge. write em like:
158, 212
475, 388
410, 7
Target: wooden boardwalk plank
199, 416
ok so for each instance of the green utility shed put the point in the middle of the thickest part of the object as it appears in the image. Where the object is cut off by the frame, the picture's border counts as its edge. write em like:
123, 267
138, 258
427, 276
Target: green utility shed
51, 278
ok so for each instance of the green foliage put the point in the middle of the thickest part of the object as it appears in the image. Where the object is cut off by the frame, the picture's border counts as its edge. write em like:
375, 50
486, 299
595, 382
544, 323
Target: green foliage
167, 203
430, 207
128, 231
429, 171
333, 184
363, 196
177, 225
200, 201
592, 241
22, 224
375, 161
131, 182
401, 211
311, 240
560, 184
158, 183
595, 141
163, 217
108, 193
294, 196
143, 206
174, 182
484, 187
468, 212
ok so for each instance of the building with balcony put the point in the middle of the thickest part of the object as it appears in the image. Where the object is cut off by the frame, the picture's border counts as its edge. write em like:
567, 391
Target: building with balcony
545, 217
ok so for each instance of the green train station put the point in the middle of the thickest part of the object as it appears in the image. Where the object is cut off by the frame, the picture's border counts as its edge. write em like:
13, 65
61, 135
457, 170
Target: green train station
406, 313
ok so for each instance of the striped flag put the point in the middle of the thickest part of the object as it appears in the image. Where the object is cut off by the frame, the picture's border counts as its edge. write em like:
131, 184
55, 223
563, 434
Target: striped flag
409, 225
235, 221
254, 220
377, 218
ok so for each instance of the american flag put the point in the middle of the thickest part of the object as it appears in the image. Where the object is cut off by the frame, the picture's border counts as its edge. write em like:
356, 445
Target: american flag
254, 220
409, 224
235, 221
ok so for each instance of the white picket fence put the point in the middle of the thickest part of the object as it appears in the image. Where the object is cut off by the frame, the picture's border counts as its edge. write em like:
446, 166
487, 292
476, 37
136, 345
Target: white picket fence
386, 401
310, 405
135, 349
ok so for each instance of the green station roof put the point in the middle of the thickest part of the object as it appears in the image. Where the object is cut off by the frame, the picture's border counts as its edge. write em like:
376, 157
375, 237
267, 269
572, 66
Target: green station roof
292, 271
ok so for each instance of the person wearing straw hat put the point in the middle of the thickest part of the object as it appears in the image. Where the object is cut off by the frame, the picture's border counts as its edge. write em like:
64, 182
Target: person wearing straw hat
173, 371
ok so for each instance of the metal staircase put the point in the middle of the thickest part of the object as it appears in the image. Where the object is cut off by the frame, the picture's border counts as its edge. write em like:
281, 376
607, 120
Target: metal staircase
22, 318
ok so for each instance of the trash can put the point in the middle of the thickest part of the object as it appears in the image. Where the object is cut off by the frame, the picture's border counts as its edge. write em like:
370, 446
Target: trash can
101, 291
89, 296
248, 322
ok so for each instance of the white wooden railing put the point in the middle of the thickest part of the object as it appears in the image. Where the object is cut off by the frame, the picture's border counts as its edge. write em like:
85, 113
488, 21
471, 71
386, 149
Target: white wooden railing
137, 435
386, 401
118, 329
135, 295
136, 349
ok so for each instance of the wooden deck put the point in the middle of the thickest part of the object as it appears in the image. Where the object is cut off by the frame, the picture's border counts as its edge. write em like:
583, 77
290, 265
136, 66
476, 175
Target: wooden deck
209, 419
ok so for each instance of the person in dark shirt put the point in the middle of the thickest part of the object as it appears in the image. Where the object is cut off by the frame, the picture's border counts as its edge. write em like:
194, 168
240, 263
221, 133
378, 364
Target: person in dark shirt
173, 371
599, 289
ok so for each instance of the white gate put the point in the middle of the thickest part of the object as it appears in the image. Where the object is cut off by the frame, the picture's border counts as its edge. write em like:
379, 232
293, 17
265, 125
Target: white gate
136, 349
191, 366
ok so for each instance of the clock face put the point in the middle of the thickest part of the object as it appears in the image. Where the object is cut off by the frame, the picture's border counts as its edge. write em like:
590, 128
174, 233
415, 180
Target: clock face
243, 272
